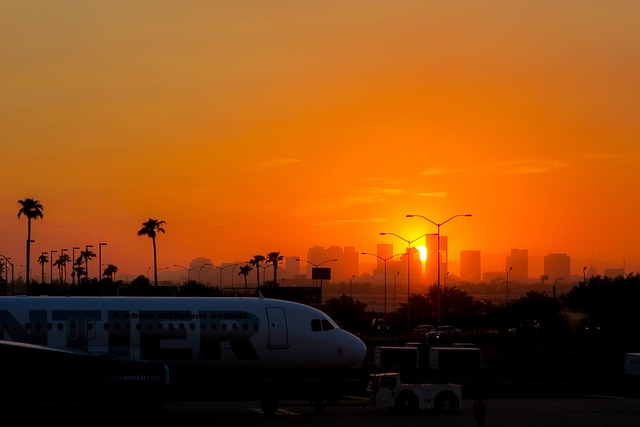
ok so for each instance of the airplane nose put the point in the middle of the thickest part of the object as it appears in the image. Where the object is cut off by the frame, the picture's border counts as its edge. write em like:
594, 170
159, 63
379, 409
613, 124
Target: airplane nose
358, 349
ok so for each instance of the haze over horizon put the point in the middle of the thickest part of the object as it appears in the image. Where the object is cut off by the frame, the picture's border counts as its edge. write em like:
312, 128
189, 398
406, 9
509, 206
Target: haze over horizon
252, 127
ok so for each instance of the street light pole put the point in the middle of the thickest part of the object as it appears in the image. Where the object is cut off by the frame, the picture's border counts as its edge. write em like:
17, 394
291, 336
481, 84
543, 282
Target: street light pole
351, 286
385, 274
188, 270
395, 276
6, 271
438, 224
409, 242
317, 265
508, 271
86, 262
100, 245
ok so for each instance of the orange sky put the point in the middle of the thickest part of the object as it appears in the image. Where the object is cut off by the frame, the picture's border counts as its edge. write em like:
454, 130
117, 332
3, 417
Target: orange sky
254, 126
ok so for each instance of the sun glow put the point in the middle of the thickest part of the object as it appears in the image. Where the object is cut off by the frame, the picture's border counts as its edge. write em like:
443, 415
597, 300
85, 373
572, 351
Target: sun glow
423, 252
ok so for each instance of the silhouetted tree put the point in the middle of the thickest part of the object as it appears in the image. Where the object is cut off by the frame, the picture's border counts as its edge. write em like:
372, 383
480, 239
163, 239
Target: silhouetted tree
86, 256
61, 262
244, 271
274, 258
611, 303
256, 261
32, 209
151, 228
349, 314
110, 271
42, 260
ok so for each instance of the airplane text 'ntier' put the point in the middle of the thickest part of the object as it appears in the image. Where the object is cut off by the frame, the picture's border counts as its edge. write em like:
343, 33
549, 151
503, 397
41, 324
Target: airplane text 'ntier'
230, 332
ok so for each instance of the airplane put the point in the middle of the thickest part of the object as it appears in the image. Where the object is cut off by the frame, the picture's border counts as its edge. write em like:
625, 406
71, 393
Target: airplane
142, 349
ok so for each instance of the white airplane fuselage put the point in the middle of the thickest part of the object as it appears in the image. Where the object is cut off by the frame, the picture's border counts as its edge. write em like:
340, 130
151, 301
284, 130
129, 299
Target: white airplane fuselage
246, 333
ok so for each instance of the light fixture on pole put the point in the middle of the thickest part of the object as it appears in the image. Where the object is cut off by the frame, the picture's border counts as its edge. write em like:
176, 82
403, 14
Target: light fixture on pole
316, 265
188, 270
385, 274
226, 266
409, 242
438, 224
584, 275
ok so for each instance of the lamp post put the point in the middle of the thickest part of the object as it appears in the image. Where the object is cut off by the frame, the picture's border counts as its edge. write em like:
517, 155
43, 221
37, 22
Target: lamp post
233, 267
508, 271
51, 266
6, 271
100, 245
227, 266
188, 270
409, 242
86, 262
317, 265
438, 224
351, 286
395, 276
385, 274
584, 275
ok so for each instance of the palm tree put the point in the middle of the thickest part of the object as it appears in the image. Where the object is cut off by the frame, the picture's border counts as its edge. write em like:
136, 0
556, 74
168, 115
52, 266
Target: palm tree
274, 258
151, 228
42, 260
110, 271
78, 269
245, 272
62, 265
32, 209
256, 261
85, 256
59, 263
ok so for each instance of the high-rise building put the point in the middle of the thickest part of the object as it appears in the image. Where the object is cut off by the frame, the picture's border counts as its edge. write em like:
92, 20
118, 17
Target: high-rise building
470, 266
557, 267
431, 264
518, 262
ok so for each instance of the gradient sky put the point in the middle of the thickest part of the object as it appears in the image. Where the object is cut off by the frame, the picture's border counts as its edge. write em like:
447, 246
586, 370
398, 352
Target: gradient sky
259, 126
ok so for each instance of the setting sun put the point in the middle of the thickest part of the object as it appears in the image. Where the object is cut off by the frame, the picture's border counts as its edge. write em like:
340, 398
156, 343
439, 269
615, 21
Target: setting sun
423, 252
252, 128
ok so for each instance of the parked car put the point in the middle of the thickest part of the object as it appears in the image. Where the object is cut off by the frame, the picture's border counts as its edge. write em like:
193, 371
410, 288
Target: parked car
421, 331
529, 328
380, 326
443, 334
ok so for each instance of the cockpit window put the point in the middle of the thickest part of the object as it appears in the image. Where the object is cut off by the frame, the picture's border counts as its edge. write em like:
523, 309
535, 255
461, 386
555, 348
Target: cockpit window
318, 325
326, 325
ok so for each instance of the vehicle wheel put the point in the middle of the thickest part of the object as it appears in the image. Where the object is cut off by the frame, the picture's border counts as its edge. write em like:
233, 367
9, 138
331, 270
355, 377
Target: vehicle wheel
407, 401
446, 402
269, 406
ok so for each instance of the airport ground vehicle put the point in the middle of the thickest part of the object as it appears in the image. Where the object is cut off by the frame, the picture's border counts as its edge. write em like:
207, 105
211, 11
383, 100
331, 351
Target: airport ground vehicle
387, 391
443, 334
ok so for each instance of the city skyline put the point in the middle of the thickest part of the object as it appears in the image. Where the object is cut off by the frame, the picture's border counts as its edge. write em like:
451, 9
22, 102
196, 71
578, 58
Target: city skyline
255, 127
